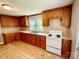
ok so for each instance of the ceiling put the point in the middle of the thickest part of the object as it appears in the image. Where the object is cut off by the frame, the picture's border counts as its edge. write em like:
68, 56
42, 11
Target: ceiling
30, 7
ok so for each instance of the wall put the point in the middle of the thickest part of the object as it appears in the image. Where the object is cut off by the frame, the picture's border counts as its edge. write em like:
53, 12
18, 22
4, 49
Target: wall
75, 28
55, 24
7, 30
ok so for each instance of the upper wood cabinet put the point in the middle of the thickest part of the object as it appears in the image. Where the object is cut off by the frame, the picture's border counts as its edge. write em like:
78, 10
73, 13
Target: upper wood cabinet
9, 21
63, 13
66, 16
23, 21
45, 20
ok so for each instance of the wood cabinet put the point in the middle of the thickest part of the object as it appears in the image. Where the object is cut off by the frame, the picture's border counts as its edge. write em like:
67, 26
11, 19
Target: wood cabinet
17, 36
9, 21
8, 38
24, 21
45, 20
23, 37
63, 13
43, 42
66, 48
66, 16
38, 38
33, 39
28, 37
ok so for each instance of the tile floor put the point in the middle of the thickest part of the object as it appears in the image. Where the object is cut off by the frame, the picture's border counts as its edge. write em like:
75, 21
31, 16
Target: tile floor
22, 50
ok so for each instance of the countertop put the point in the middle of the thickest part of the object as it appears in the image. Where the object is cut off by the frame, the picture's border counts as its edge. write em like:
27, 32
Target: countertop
40, 33
46, 34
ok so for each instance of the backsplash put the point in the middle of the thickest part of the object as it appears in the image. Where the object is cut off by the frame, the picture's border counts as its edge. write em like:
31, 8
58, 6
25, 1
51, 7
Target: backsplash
55, 24
10, 29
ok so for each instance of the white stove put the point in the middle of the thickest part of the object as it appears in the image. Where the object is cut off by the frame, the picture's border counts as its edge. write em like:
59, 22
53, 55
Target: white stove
54, 42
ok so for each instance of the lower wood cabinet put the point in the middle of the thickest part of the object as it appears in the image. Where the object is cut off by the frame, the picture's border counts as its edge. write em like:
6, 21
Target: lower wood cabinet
43, 42
33, 39
27, 38
66, 48
38, 43
23, 37
17, 36
8, 38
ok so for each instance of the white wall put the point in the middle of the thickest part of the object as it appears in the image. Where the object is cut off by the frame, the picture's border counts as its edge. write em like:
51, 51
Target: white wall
75, 28
55, 24
7, 30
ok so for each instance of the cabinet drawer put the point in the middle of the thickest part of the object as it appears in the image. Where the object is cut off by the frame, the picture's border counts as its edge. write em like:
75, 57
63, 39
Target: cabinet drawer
56, 51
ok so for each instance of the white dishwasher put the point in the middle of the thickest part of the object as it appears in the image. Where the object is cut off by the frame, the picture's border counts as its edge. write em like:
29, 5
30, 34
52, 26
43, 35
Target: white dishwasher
54, 42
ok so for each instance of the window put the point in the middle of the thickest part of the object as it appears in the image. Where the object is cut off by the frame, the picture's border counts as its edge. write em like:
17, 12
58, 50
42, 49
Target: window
35, 22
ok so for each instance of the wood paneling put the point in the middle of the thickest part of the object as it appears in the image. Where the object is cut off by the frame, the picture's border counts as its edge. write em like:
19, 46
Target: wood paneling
66, 48
63, 13
9, 21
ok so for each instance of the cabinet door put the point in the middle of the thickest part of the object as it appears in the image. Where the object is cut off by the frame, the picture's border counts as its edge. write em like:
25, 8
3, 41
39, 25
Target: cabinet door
33, 39
66, 16
66, 48
23, 21
17, 36
23, 37
28, 38
45, 20
38, 39
9, 21
8, 38
43, 42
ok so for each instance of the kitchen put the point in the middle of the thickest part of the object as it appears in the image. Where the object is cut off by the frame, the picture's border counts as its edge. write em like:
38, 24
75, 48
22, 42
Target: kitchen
29, 35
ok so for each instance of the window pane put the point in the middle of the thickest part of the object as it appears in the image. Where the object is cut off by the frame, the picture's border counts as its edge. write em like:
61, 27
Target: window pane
32, 25
35, 22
